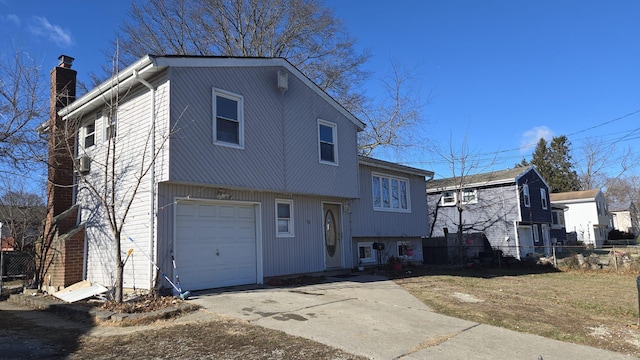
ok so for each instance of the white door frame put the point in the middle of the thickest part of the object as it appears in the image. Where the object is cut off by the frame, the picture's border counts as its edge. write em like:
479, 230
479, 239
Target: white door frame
341, 236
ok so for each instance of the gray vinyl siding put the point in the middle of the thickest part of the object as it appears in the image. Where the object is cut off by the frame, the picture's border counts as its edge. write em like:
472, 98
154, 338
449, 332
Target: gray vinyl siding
368, 222
280, 134
302, 253
495, 215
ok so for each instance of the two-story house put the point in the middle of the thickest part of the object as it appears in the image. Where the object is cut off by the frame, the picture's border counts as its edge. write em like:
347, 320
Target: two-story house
586, 215
510, 208
241, 169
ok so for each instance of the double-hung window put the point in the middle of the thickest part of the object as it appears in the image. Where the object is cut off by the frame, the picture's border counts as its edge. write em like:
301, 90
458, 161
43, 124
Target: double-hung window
448, 198
110, 127
228, 124
284, 218
525, 195
543, 198
390, 193
470, 196
89, 135
327, 142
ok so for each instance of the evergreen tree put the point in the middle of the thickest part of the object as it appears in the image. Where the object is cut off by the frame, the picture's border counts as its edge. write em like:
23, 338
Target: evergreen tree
555, 164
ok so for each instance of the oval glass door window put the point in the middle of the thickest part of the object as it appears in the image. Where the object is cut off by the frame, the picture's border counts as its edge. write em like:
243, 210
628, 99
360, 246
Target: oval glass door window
330, 233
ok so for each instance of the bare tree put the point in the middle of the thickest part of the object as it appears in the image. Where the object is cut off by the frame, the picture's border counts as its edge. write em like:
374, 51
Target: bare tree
463, 166
622, 192
22, 107
599, 156
390, 121
305, 32
118, 172
22, 213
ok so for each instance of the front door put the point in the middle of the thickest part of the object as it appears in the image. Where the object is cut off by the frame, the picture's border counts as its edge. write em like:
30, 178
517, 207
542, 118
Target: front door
332, 235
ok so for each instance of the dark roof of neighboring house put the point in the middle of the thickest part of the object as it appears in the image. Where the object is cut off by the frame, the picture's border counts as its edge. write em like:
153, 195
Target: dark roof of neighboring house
574, 195
477, 180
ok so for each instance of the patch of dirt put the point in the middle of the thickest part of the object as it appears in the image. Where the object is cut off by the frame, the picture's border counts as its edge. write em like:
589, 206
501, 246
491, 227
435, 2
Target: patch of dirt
221, 338
466, 297
141, 304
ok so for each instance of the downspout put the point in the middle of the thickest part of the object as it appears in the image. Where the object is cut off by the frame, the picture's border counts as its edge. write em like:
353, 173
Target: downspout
152, 174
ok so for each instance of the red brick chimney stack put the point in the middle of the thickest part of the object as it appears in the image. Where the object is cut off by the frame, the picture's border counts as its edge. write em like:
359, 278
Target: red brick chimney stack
62, 234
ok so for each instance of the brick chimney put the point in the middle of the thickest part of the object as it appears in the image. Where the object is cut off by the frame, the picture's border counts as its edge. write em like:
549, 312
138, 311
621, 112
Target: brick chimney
62, 236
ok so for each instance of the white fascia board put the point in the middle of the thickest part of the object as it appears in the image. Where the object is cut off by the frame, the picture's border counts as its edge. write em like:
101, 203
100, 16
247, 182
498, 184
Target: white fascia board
381, 164
123, 79
472, 185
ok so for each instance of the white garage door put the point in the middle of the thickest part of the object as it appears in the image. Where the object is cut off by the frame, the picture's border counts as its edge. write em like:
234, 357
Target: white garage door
215, 245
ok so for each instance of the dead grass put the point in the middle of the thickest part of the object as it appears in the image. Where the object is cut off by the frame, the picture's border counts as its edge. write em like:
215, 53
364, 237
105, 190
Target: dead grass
593, 308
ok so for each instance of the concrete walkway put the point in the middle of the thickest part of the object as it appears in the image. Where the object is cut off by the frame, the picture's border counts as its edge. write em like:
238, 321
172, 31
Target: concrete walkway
372, 316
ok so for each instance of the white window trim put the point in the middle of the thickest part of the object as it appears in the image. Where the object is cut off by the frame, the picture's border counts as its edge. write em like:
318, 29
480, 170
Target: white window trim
107, 122
334, 128
400, 244
85, 134
449, 203
390, 209
369, 260
536, 235
475, 196
543, 198
240, 100
290, 233
525, 195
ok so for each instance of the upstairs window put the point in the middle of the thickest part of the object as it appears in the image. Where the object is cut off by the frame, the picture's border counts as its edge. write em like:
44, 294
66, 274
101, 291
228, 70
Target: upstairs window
525, 195
228, 127
327, 142
448, 198
390, 193
110, 128
284, 218
470, 196
89, 135
543, 198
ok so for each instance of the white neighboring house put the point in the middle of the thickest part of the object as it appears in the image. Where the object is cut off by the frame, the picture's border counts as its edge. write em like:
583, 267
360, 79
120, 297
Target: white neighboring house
586, 215
626, 220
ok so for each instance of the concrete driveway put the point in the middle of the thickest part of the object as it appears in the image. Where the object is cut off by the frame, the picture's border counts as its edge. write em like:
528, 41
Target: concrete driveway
372, 316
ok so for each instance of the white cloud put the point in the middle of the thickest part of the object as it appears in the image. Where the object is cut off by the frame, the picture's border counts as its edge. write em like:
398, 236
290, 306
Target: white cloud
11, 18
531, 137
40, 26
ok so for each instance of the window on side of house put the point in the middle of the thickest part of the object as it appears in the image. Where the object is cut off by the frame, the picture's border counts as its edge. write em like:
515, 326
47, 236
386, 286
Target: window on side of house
327, 142
390, 193
110, 127
448, 198
557, 218
525, 195
228, 124
284, 218
89, 135
543, 198
470, 196
366, 253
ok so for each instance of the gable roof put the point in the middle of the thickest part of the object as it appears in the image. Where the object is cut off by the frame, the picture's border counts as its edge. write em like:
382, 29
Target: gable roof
573, 196
150, 65
369, 161
501, 177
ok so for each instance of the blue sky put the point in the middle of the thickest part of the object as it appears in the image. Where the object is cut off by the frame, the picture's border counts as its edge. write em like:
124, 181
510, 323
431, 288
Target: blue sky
498, 73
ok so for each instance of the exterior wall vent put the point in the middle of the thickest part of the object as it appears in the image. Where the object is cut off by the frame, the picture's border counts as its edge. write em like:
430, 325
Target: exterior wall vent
283, 80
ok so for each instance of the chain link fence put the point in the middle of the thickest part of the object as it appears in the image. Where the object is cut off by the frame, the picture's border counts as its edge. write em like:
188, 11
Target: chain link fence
17, 269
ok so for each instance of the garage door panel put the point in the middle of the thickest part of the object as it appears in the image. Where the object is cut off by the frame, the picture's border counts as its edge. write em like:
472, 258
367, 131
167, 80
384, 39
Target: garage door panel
215, 245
